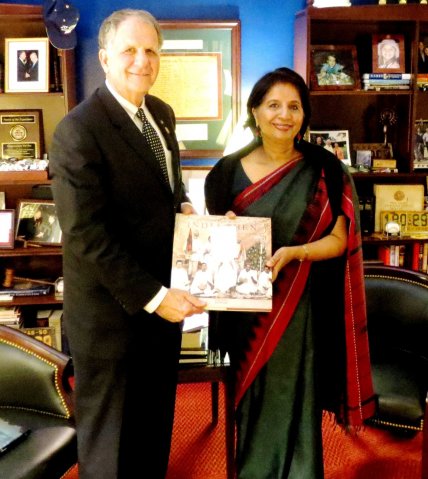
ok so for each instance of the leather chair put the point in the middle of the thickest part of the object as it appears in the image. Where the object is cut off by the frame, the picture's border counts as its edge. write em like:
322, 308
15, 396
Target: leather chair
397, 318
35, 393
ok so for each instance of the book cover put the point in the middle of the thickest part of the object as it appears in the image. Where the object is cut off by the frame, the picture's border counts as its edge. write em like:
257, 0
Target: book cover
397, 198
387, 76
222, 260
26, 288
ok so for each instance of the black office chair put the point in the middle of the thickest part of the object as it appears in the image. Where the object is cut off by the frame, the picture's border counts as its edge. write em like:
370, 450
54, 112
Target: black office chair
397, 317
35, 393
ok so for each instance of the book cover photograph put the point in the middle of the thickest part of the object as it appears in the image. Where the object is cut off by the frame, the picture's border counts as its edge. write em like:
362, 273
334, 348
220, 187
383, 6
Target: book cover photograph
222, 261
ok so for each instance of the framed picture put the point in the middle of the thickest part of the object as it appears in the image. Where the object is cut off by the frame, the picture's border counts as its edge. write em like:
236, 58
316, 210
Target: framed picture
335, 141
199, 77
37, 222
334, 67
388, 54
421, 144
26, 65
7, 228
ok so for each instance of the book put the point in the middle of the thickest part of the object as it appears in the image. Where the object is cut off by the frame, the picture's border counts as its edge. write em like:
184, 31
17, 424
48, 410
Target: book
390, 197
26, 288
387, 76
194, 339
55, 322
222, 261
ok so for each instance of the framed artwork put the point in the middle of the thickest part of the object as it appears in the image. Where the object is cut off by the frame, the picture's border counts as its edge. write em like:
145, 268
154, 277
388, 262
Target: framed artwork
7, 228
199, 77
26, 65
335, 141
388, 54
334, 67
37, 222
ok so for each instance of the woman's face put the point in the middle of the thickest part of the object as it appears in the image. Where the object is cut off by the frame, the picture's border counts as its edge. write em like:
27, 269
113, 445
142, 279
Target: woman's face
280, 115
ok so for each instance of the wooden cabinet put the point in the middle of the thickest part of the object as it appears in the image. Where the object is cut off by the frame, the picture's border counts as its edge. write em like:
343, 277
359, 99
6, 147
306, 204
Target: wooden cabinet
43, 263
359, 111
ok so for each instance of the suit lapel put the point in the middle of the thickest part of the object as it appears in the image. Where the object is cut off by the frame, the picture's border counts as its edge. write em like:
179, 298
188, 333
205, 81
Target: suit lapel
129, 132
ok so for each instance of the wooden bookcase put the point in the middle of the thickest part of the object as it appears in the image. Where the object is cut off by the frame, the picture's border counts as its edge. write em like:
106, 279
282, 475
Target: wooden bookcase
358, 111
26, 21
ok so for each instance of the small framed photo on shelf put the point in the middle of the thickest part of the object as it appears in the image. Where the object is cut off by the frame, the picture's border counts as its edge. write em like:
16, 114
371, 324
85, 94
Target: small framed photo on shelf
388, 54
26, 65
421, 145
7, 228
334, 67
363, 160
335, 141
37, 222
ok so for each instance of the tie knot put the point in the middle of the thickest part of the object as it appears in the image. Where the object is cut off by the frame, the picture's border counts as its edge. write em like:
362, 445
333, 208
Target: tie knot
141, 115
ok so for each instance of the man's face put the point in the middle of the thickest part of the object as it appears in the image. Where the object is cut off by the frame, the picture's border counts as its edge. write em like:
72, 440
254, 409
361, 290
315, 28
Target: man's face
131, 59
33, 57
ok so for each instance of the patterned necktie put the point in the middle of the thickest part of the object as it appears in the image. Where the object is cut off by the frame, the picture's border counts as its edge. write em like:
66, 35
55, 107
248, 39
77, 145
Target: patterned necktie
155, 144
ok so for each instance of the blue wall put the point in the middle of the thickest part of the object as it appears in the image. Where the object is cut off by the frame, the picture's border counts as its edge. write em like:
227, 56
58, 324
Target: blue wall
267, 38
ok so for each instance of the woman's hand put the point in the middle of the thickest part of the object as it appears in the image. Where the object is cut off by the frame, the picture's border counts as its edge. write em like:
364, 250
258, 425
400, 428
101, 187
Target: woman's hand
281, 258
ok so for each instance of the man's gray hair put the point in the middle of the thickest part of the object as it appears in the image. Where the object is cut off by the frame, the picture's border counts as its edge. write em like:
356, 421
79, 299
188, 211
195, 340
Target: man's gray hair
110, 25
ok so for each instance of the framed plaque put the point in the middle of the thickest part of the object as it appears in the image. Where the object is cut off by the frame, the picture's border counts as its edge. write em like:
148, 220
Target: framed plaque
200, 78
21, 134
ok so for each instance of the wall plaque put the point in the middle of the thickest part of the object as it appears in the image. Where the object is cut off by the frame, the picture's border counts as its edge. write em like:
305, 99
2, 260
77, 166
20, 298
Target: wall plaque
21, 134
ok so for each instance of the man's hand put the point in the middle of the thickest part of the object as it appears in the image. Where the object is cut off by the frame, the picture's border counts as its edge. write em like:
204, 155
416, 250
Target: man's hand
187, 209
179, 304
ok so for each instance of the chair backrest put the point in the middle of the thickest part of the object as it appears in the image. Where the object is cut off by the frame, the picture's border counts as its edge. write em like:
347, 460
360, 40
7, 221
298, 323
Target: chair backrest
33, 376
397, 317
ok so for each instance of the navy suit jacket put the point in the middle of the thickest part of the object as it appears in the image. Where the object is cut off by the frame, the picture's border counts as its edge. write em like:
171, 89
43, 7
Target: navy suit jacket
117, 217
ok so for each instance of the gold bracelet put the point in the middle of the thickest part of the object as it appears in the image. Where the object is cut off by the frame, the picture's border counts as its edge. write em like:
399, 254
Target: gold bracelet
305, 257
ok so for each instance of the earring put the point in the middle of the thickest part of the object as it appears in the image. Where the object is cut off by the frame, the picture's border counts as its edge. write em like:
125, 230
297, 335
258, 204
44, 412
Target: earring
298, 138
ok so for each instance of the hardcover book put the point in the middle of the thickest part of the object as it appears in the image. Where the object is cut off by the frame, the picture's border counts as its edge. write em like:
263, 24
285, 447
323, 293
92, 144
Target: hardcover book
397, 198
222, 261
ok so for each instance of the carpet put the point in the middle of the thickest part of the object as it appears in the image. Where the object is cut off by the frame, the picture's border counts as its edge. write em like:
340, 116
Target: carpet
198, 449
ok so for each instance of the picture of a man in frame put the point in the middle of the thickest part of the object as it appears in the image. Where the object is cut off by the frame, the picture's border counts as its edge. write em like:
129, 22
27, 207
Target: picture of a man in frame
27, 65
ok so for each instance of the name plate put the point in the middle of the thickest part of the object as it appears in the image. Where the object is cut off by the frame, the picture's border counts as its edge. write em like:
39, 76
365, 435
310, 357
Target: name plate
21, 134
410, 221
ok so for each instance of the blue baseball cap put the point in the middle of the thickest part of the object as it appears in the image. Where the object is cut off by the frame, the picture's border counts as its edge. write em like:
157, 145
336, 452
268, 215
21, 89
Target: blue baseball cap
61, 19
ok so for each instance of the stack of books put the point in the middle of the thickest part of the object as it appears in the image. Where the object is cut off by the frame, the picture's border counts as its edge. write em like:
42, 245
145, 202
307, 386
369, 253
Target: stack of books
10, 316
194, 346
387, 81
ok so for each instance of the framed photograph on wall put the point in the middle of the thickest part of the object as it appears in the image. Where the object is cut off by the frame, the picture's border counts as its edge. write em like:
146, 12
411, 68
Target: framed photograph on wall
199, 77
26, 65
7, 228
334, 67
335, 141
388, 54
37, 222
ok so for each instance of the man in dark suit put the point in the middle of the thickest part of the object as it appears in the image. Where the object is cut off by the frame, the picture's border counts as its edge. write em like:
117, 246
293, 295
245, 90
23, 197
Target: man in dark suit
22, 65
117, 216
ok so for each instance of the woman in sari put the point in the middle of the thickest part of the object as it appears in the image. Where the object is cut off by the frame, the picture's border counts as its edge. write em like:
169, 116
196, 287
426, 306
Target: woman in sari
311, 352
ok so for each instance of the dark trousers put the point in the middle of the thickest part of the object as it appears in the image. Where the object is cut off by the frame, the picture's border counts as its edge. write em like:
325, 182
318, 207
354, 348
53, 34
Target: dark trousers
124, 403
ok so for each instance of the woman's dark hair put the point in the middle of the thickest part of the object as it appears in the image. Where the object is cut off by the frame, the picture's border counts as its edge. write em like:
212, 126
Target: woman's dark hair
266, 82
